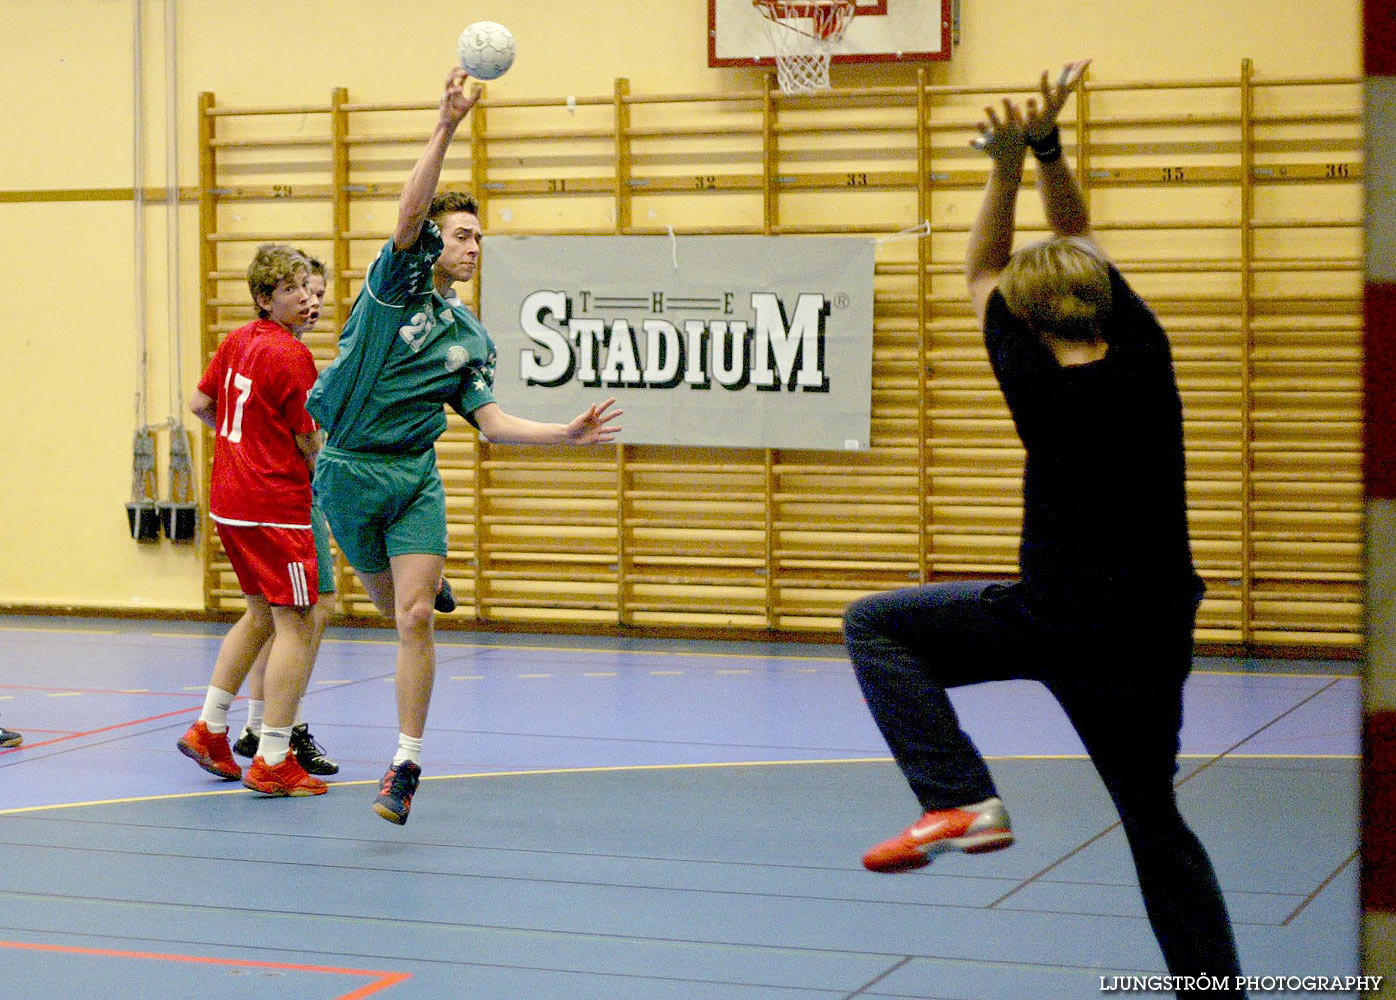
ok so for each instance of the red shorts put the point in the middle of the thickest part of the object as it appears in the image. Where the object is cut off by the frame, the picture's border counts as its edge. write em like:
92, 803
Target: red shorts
275, 563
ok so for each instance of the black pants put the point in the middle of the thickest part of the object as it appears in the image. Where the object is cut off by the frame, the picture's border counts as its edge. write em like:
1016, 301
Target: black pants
1123, 696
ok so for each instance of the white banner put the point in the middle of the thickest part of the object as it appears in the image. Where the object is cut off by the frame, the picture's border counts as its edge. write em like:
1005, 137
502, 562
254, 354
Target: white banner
733, 341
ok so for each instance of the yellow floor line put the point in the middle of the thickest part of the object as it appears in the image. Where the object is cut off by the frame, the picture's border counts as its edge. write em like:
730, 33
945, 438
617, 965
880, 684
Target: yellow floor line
618, 768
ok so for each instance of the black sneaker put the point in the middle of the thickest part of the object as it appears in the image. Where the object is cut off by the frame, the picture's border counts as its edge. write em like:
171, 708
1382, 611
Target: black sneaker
395, 796
309, 754
246, 746
10, 738
445, 599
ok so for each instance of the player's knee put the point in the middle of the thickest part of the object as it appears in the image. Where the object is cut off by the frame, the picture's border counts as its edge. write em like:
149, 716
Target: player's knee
258, 615
863, 618
416, 615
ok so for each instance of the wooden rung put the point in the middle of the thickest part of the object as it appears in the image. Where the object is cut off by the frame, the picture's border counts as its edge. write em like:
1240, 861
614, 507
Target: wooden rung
705, 603
273, 192
272, 142
716, 562
752, 553
680, 494
290, 109
717, 519
732, 97
492, 492
267, 237
574, 575
393, 106
543, 135
841, 566
515, 601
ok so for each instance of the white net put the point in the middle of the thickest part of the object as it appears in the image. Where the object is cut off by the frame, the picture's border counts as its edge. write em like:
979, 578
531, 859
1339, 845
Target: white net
803, 34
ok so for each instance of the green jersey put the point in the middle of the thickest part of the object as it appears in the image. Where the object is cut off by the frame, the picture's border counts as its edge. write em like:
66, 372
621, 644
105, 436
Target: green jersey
405, 352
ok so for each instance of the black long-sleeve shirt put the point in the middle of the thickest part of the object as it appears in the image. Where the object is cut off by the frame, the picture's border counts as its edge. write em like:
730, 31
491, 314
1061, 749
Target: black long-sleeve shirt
1105, 530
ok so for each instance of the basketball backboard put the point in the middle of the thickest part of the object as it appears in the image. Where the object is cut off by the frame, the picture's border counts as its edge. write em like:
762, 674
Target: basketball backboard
881, 31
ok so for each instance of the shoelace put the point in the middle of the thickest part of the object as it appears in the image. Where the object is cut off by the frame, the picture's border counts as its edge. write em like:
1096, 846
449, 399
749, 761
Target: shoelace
303, 741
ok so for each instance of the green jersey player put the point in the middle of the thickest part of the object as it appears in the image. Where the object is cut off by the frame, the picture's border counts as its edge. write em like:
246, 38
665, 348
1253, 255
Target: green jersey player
408, 349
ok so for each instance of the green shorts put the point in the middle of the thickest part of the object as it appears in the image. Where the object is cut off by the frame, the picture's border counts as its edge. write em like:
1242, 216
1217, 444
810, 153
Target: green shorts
381, 506
324, 558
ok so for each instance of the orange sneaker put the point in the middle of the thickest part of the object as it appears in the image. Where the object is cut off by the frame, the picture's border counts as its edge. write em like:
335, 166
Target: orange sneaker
973, 829
210, 751
286, 778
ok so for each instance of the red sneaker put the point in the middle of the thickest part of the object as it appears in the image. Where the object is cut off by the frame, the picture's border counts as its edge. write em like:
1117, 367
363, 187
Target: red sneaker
210, 751
973, 829
286, 778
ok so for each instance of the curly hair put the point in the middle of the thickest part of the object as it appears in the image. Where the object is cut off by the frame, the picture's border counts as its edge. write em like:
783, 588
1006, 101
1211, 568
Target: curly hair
273, 264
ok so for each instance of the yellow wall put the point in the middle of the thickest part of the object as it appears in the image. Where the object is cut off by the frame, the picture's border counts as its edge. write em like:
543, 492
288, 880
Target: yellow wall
68, 335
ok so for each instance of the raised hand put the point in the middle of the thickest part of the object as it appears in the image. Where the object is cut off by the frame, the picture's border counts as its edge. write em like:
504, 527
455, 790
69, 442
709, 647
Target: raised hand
1003, 139
593, 425
455, 102
1039, 120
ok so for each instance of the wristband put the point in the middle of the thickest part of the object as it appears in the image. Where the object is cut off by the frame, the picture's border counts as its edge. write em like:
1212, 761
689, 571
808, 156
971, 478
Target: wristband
1049, 147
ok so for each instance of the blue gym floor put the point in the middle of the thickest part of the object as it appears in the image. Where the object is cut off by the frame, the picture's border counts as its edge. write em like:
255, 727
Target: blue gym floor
625, 820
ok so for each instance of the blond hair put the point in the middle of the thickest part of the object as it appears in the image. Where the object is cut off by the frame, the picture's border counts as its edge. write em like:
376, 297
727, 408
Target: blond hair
273, 264
1059, 287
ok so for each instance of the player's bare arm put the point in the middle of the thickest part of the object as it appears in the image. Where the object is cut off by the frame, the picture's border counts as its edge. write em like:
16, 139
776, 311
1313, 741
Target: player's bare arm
1062, 198
1004, 141
592, 426
421, 184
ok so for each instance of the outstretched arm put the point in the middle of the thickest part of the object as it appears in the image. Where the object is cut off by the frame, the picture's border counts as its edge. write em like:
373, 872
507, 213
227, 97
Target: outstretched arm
991, 234
1062, 199
421, 184
591, 426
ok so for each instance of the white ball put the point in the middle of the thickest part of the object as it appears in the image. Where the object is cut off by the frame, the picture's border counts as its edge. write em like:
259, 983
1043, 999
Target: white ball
486, 50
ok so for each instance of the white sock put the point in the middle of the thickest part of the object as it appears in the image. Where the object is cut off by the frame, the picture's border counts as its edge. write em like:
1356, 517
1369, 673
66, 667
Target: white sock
274, 745
254, 714
408, 748
216, 705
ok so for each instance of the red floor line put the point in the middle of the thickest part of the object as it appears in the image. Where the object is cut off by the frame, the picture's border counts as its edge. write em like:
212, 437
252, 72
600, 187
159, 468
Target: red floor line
383, 980
368, 989
103, 729
82, 690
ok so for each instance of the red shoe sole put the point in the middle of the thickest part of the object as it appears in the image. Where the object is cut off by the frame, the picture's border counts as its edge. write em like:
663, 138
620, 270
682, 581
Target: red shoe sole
208, 763
983, 843
277, 792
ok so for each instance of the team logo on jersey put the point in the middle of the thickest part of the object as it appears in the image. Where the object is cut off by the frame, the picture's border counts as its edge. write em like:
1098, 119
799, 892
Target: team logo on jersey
456, 356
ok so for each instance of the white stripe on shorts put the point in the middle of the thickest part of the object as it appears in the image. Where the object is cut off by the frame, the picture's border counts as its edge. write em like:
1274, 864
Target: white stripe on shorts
258, 524
300, 593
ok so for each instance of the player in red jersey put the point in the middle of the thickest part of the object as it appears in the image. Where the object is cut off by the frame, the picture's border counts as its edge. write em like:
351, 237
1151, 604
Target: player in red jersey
304, 746
252, 396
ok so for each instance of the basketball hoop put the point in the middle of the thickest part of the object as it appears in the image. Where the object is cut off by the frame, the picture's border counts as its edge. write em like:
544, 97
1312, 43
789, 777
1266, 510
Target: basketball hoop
803, 33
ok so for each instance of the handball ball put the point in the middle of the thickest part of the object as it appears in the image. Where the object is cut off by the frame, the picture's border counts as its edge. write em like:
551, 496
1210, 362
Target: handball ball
486, 50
